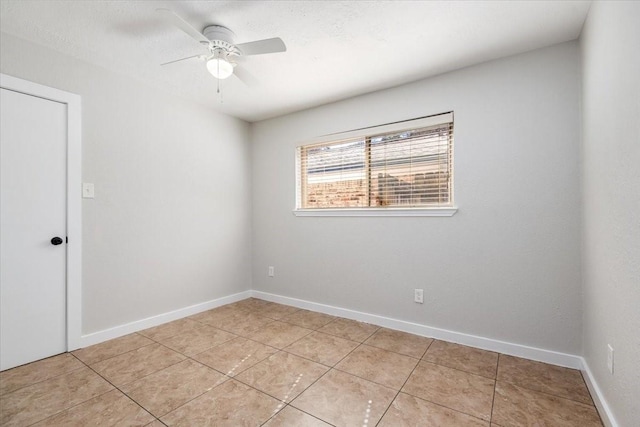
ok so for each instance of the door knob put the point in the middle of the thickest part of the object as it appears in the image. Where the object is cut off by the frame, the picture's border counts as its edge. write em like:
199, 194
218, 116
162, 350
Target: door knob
56, 241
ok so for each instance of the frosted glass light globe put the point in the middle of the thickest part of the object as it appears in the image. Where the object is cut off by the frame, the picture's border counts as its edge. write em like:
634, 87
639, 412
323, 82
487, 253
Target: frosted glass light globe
219, 68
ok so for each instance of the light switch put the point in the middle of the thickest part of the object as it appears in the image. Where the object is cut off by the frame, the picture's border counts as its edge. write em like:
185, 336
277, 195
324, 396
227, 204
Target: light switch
88, 190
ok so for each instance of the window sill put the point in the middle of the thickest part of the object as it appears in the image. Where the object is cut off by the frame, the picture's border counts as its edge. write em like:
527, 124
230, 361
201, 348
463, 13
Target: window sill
449, 211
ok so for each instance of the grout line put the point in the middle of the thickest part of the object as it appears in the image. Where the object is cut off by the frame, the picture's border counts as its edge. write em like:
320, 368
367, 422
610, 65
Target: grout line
401, 387
430, 401
226, 378
41, 381
445, 407
323, 375
441, 405
351, 320
72, 406
180, 331
391, 351
275, 397
369, 379
189, 400
498, 366
276, 411
457, 369
304, 412
120, 354
495, 385
118, 388
247, 332
326, 373
551, 394
144, 376
315, 361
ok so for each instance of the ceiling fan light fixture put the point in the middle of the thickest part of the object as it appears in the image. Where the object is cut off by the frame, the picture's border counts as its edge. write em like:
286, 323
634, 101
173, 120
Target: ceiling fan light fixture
220, 68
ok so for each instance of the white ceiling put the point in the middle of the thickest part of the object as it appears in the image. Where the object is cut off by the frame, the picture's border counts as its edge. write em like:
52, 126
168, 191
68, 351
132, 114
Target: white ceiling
335, 49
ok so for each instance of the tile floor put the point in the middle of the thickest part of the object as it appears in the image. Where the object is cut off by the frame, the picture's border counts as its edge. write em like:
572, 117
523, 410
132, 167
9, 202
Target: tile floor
255, 363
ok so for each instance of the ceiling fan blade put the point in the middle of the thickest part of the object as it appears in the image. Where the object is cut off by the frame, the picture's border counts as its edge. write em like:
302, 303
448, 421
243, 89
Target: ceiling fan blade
260, 47
183, 25
244, 76
183, 59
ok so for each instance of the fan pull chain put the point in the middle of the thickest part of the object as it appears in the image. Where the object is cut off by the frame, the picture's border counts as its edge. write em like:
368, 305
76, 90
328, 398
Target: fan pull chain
219, 94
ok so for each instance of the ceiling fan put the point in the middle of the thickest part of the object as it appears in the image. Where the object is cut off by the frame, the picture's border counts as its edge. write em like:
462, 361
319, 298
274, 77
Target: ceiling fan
222, 51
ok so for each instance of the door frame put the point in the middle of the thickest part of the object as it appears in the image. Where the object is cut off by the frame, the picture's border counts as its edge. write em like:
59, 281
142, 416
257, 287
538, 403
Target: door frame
74, 197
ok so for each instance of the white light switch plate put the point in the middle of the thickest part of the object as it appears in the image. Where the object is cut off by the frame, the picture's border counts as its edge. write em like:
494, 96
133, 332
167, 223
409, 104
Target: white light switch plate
88, 191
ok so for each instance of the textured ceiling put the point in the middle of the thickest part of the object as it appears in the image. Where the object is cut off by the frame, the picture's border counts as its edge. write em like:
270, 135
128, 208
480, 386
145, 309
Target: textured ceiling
335, 49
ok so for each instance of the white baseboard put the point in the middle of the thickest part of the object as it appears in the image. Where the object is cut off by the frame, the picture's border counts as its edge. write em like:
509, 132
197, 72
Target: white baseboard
547, 356
541, 355
598, 398
138, 325
532, 353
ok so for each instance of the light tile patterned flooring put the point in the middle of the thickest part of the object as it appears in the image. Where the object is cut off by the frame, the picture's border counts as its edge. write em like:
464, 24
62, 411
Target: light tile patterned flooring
255, 363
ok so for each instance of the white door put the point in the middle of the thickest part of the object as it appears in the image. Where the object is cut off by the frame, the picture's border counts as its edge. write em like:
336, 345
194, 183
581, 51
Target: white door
33, 203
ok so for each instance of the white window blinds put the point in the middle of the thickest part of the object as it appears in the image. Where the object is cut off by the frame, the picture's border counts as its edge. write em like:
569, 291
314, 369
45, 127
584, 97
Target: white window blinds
407, 164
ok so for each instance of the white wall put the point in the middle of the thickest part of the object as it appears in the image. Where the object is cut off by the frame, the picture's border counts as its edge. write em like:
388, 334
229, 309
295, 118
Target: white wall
610, 45
506, 266
170, 224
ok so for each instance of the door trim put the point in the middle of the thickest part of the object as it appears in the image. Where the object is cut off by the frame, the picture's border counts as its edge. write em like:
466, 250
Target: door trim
74, 196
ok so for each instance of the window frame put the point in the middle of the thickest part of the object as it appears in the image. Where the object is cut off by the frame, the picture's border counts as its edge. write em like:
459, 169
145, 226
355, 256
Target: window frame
372, 211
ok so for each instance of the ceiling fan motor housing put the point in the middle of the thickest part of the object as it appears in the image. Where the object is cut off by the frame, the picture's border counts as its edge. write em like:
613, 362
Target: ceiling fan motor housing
220, 36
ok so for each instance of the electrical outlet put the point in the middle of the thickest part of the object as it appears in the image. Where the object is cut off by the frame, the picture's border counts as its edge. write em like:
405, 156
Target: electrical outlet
610, 358
272, 271
418, 295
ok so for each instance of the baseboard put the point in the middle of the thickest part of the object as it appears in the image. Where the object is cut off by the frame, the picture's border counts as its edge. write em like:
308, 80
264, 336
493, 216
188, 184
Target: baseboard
598, 398
138, 325
532, 353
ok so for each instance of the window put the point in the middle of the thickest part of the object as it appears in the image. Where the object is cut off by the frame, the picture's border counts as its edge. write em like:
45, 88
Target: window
406, 166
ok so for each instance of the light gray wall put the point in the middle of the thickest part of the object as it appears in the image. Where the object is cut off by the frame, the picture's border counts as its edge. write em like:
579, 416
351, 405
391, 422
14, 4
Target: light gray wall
506, 266
611, 186
170, 225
